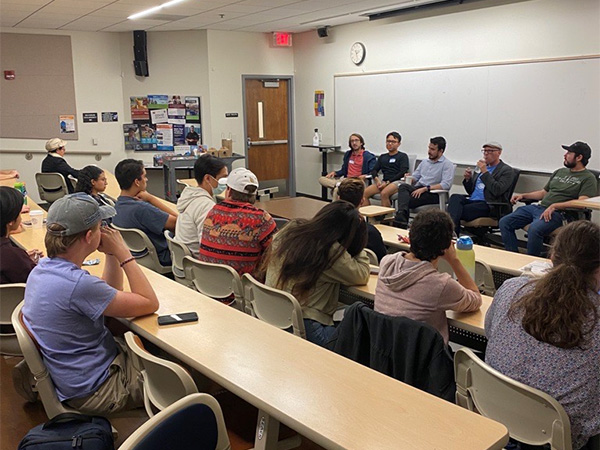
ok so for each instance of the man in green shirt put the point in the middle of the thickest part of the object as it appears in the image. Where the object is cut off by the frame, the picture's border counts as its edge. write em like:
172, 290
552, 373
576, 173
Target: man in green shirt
573, 182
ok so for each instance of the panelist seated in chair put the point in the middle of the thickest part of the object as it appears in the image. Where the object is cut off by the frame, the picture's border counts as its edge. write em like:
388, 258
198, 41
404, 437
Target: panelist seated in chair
573, 182
137, 208
65, 308
434, 173
55, 161
357, 163
393, 165
311, 259
410, 285
545, 332
492, 184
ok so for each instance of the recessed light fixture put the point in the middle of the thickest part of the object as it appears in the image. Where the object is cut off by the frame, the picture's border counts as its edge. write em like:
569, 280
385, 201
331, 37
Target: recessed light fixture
153, 9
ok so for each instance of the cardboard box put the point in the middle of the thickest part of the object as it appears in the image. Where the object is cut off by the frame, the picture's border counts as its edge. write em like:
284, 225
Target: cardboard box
213, 151
224, 152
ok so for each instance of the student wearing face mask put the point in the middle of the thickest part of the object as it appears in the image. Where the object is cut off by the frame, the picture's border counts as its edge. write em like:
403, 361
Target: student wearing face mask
195, 202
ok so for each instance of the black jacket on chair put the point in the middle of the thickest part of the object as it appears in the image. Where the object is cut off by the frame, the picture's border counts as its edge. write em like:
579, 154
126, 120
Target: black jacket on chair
58, 164
410, 351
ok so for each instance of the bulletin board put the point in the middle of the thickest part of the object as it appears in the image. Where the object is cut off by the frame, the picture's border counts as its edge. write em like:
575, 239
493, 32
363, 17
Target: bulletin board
39, 102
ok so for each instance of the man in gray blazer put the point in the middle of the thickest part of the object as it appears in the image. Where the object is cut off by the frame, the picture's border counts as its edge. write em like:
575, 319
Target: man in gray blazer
490, 184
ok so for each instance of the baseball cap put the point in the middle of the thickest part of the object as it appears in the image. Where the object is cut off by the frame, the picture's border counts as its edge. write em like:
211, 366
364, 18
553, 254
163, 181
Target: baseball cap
76, 213
239, 179
493, 144
54, 144
580, 148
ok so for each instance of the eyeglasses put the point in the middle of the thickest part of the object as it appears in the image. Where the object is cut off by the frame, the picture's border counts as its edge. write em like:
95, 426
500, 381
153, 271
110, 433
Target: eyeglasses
391, 142
490, 151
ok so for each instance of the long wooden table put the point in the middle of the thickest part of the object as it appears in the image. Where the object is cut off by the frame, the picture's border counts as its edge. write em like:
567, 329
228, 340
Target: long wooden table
592, 203
329, 399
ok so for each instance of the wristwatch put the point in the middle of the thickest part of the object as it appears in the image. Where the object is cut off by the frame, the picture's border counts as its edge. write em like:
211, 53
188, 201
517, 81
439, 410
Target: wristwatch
428, 188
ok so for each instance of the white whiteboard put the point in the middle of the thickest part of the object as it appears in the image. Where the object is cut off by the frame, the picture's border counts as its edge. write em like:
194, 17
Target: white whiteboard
530, 108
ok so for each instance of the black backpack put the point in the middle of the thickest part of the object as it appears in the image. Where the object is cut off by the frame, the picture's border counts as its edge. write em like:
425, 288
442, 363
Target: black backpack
70, 431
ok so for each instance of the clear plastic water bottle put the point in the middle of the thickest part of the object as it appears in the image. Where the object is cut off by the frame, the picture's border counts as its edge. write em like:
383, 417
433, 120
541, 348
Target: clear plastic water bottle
316, 140
466, 254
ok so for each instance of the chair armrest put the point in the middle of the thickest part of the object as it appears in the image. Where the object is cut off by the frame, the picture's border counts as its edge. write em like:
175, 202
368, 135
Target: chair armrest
443, 195
500, 209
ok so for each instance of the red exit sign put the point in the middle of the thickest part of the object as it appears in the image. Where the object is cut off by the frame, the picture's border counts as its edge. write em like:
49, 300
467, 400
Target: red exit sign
282, 39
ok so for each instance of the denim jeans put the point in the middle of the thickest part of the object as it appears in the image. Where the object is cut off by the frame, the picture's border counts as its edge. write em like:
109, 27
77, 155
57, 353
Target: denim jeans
317, 333
539, 228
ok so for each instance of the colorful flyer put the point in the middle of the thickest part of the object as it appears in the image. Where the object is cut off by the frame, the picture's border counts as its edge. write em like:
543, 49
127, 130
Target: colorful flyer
67, 123
131, 135
319, 103
139, 108
148, 137
158, 101
164, 136
193, 134
192, 109
178, 134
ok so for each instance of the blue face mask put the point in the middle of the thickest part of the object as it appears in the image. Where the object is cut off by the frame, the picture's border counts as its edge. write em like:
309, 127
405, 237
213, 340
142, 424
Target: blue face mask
219, 188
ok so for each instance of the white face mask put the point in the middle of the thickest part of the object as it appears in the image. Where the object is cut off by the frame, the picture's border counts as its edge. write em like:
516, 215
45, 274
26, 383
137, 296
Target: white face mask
220, 188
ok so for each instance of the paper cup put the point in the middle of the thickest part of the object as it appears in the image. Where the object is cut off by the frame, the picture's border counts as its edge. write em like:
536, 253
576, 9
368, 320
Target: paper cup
37, 218
408, 179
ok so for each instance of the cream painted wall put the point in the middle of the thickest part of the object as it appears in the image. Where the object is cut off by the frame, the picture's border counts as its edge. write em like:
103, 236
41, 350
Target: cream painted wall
483, 32
231, 55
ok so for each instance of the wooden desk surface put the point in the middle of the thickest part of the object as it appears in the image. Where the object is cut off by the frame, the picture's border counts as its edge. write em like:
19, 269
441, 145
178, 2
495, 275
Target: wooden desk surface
336, 403
473, 322
292, 208
498, 260
375, 210
592, 203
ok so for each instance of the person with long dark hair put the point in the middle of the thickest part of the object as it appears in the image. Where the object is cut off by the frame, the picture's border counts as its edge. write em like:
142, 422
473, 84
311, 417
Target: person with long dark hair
92, 181
545, 333
15, 263
312, 258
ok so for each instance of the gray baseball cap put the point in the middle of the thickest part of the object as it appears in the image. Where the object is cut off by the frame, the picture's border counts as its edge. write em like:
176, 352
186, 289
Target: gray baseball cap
76, 213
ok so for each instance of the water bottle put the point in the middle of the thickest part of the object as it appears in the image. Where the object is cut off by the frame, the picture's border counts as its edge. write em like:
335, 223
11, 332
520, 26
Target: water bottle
20, 186
316, 138
466, 254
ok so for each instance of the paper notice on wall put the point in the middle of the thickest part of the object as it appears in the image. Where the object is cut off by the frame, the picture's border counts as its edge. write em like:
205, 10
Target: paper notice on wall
192, 109
67, 123
159, 115
164, 136
319, 103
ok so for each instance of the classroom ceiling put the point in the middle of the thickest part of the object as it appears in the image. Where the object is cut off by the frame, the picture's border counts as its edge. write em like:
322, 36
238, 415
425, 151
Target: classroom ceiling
229, 15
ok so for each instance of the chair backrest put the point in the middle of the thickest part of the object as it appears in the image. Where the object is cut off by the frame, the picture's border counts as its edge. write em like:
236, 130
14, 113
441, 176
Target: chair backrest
484, 279
217, 281
10, 297
276, 307
51, 186
596, 174
280, 222
164, 381
193, 423
178, 252
412, 163
531, 416
372, 257
142, 248
43, 382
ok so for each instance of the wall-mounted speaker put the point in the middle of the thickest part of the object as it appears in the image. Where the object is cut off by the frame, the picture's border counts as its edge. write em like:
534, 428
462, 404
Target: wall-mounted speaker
323, 32
141, 68
140, 52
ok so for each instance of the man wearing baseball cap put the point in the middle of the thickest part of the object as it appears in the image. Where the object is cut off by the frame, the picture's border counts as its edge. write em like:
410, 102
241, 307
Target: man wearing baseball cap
65, 308
235, 232
55, 161
573, 182
490, 183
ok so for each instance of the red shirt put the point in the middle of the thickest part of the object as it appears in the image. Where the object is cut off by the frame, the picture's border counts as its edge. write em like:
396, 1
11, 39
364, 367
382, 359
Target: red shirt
355, 164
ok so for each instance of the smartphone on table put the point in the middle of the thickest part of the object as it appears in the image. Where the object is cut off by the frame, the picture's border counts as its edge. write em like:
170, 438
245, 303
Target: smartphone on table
170, 319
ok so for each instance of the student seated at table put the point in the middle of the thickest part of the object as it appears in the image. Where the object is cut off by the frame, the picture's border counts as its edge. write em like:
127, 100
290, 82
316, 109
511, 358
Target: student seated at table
137, 208
65, 308
92, 181
235, 232
15, 263
546, 333
410, 285
312, 258
195, 202
55, 161
352, 190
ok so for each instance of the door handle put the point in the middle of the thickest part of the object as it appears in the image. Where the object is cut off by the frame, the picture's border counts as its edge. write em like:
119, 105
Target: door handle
274, 142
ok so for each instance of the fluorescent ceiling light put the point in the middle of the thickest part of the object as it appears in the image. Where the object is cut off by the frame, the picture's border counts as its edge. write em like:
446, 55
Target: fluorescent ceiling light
153, 9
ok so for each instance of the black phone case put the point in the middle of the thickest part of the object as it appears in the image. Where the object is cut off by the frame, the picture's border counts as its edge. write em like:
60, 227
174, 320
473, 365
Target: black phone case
170, 320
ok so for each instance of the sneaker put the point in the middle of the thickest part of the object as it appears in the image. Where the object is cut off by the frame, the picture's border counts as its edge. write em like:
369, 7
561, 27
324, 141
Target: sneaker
24, 382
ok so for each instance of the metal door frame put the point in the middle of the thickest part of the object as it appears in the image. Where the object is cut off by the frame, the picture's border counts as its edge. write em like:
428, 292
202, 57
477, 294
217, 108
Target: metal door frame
291, 147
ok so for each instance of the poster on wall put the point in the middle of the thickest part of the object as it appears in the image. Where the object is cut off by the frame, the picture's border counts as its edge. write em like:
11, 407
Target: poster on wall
158, 101
164, 136
131, 135
192, 109
90, 117
66, 123
148, 137
158, 116
319, 103
178, 134
193, 134
176, 110
110, 116
139, 109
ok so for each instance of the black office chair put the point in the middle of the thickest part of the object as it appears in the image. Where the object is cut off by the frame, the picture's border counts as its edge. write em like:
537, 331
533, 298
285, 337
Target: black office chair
482, 228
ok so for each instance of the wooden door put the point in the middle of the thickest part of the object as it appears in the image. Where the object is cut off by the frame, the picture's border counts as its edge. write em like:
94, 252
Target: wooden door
267, 122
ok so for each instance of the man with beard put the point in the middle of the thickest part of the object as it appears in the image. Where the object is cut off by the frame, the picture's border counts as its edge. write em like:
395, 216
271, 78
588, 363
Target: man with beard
573, 182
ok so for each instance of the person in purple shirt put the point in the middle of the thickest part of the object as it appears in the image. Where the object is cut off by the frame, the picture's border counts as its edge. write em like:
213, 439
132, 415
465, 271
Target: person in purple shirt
65, 308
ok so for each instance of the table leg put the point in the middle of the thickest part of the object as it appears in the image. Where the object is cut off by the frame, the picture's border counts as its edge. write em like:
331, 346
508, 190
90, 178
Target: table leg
323, 171
267, 432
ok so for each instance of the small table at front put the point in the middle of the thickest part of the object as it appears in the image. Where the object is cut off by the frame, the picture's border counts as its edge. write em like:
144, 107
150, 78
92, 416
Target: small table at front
591, 203
324, 148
